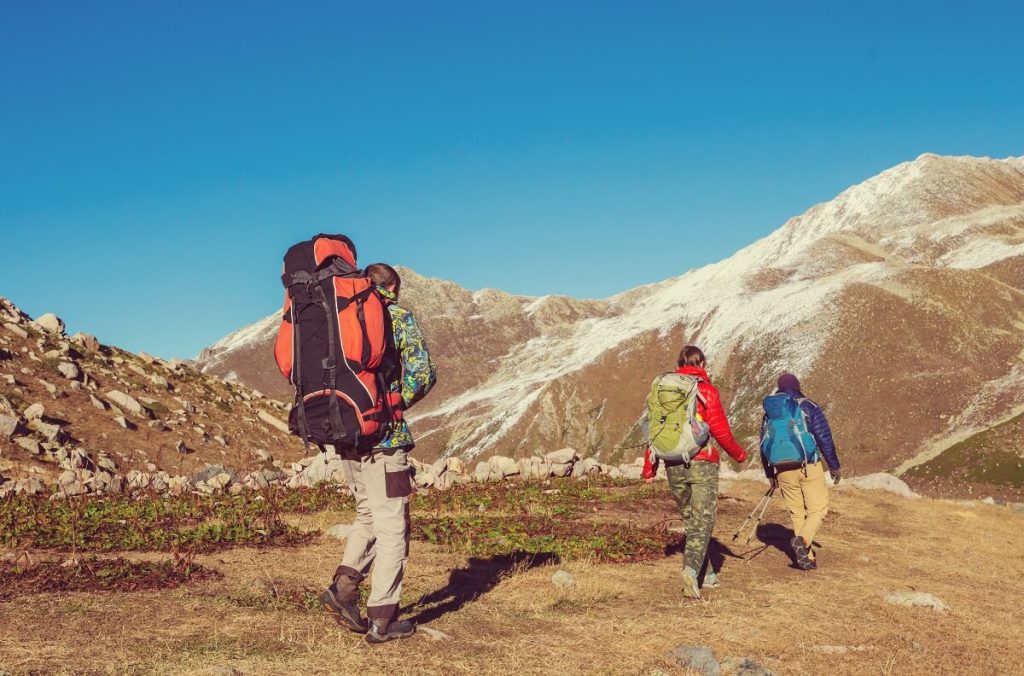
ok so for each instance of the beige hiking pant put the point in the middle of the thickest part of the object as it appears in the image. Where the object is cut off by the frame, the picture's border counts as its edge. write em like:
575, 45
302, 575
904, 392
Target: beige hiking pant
381, 485
806, 497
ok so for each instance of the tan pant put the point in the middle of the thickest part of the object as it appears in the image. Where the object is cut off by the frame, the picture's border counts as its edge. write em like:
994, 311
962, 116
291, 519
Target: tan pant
381, 485
806, 497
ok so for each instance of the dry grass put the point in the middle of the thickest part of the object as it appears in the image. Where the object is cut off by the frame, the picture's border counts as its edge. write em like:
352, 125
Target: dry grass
504, 615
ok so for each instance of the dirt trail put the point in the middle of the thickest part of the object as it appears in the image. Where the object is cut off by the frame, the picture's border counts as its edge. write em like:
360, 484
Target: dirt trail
504, 615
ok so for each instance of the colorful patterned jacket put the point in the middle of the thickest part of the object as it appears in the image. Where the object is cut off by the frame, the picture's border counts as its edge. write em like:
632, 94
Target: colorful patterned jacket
415, 376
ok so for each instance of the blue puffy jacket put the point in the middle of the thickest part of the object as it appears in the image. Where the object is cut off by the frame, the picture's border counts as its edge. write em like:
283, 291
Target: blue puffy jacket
817, 425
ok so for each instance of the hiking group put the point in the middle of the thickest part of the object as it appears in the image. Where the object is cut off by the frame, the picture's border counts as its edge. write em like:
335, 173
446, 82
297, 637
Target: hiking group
685, 414
358, 361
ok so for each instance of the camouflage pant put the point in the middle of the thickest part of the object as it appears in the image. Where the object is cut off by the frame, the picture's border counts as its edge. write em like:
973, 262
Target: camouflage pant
695, 489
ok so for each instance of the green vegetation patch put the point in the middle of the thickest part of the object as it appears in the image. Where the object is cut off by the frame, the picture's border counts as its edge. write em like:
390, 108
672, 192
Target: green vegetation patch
567, 538
158, 523
991, 457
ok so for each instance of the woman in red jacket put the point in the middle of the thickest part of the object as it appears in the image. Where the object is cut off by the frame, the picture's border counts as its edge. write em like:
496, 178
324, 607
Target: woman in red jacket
695, 488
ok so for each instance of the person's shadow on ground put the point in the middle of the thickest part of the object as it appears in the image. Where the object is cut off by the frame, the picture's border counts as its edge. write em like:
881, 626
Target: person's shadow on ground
479, 576
718, 552
778, 536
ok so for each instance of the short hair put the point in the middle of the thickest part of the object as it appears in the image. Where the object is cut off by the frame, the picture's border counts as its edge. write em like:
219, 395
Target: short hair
691, 355
384, 275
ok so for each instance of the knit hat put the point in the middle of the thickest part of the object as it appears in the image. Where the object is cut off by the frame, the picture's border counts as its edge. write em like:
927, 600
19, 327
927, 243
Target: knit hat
788, 381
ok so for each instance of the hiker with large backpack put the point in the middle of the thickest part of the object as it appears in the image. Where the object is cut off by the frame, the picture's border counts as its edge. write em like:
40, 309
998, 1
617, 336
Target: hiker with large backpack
684, 413
795, 438
381, 484
357, 361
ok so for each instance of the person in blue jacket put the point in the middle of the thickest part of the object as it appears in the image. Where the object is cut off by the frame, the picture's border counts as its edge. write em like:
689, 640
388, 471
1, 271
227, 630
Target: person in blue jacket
803, 483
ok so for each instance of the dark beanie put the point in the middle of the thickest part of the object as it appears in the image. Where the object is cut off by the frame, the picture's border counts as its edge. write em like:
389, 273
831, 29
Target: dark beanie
788, 381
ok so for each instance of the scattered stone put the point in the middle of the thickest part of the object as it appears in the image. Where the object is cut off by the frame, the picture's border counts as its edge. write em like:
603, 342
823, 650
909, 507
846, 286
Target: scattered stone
180, 447
263, 455
34, 412
126, 402
563, 580
503, 466
561, 457
124, 422
69, 370
917, 599
98, 403
434, 634
50, 323
50, 387
742, 666
159, 425
482, 472
16, 330
273, 421
54, 433
85, 340
700, 659
8, 425
160, 381
149, 359
29, 444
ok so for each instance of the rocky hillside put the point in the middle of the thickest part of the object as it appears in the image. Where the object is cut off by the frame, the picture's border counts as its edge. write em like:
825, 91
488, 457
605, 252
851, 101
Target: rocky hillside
900, 303
78, 416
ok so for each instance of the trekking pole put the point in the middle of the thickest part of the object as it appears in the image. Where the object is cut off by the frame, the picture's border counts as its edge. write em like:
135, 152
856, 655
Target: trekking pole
767, 499
762, 505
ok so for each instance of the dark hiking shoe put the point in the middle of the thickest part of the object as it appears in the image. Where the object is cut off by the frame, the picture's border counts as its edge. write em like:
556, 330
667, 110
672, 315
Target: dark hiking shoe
344, 611
802, 553
382, 631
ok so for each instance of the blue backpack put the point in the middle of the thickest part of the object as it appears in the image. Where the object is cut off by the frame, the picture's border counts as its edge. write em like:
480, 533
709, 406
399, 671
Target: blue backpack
785, 437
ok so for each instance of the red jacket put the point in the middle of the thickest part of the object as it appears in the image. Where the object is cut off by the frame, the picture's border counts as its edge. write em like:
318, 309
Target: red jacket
714, 415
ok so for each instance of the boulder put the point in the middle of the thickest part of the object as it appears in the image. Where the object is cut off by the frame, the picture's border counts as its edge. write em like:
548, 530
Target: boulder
69, 370
126, 402
8, 425
85, 340
561, 457
54, 433
34, 412
29, 444
16, 330
482, 472
455, 464
50, 323
160, 381
503, 466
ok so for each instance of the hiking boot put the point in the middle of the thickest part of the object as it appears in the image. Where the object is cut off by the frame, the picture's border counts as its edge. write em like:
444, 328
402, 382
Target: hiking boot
344, 610
691, 589
382, 631
711, 580
802, 553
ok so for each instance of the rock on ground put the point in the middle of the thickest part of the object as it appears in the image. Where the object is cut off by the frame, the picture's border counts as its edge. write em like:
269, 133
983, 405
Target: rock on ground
50, 322
917, 599
742, 666
563, 579
697, 658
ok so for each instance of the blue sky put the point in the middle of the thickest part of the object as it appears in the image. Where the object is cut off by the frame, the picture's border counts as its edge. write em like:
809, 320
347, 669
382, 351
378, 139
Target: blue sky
157, 158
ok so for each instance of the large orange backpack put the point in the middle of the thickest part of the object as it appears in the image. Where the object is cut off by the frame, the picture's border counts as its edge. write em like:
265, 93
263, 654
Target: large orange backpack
331, 346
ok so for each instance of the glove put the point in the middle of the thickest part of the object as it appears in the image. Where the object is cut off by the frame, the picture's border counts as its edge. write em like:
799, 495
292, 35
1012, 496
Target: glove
650, 466
837, 474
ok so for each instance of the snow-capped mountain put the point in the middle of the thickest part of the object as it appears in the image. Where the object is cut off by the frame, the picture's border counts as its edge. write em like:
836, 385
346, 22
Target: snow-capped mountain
899, 304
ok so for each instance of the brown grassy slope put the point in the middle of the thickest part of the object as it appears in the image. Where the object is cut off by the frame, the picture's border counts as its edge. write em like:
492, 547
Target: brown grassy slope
620, 618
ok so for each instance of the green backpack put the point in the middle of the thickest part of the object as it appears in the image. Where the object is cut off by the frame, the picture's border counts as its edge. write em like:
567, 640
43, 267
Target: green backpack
676, 433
